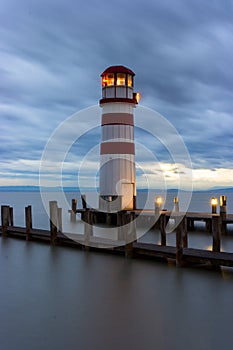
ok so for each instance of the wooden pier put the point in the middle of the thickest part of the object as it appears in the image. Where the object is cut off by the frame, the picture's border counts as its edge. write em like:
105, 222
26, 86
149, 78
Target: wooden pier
127, 243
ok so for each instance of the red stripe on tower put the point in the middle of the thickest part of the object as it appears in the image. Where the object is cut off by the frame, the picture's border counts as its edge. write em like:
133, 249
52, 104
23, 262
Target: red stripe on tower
117, 148
117, 118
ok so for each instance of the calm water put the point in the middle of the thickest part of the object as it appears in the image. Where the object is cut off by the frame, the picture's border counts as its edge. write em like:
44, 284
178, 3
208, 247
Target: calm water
199, 202
62, 298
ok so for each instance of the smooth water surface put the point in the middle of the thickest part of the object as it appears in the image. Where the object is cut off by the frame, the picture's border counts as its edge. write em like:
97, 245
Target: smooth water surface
61, 298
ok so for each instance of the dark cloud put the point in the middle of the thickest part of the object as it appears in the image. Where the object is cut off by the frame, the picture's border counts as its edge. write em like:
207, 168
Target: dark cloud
52, 53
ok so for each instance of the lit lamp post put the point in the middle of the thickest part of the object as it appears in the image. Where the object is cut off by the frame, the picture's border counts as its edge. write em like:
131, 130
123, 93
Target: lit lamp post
158, 204
176, 204
214, 203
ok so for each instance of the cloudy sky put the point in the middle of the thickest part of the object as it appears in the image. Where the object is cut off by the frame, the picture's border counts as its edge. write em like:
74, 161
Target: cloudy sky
52, 55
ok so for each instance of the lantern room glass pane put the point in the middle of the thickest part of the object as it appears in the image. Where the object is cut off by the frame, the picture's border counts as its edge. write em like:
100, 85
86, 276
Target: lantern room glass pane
108, 80
130, 80
120, 79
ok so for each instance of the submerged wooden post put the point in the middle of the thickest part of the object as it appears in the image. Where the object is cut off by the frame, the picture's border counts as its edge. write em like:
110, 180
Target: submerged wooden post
216, 233
5, 219
11, 216
73, 210
53, 221
223, 214
28, 221
179, 243
163, 223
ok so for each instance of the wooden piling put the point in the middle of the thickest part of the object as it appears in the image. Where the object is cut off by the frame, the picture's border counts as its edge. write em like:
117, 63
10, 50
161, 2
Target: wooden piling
28, 221
5, 219
73, 211
88, 227
223, 214
11, 216
84, 201
179, 243
208, 225
216, 233
163, 223
59, 218
185, 232
53, 221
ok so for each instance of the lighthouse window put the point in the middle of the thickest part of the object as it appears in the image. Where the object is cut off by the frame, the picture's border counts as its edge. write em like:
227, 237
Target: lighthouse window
110, 79
120, 79
130, 80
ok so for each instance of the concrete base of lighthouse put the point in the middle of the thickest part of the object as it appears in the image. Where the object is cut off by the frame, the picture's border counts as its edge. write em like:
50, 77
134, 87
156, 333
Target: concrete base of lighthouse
113, 204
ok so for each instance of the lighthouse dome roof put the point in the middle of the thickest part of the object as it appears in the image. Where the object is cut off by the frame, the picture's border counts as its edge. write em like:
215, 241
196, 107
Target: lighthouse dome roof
118, 69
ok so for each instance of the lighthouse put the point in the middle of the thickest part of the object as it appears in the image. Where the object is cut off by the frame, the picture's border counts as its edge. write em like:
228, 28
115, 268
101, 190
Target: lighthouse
117, 178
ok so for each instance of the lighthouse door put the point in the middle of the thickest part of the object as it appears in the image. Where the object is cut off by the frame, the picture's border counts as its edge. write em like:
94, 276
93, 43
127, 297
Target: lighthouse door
127, 195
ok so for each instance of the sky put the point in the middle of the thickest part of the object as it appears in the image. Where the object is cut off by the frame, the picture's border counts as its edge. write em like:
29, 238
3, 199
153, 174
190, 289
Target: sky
52, 55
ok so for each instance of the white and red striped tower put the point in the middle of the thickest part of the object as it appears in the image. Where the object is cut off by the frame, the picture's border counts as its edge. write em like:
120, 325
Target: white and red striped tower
117, 184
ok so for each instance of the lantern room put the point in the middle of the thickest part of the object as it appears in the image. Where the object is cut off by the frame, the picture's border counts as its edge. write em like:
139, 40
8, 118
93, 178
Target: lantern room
117, 85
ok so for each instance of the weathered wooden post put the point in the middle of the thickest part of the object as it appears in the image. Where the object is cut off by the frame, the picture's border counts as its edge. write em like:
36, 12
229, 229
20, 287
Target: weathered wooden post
163, 223
53, 221
11, 216
59, 218
216, 233
88, 227
84, 201
208, 225
5, 219
185, 232
223, 214
73, 210
28, 221
179, 243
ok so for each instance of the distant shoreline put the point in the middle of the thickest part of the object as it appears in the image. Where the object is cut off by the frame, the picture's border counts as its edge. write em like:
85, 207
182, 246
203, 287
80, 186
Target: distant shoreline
88, 189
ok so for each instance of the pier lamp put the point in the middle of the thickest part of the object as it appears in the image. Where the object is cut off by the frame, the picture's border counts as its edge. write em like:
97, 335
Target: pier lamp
176, 204
158, 204
214, 203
